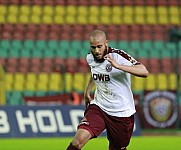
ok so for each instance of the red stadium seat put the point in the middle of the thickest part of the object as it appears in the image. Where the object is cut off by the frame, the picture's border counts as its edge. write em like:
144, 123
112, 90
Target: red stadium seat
60, 2
18, 35
23, 65
116, 2
12, 64
26, 2
49, 2
94, 2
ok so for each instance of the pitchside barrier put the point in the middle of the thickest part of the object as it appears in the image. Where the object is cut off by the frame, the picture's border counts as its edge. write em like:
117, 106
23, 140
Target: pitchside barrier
43, 121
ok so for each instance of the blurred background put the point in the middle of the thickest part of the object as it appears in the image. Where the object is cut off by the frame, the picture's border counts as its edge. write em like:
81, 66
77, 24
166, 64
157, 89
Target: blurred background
43, 45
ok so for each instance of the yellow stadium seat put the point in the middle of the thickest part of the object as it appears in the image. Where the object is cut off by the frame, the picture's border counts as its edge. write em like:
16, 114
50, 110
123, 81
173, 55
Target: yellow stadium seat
55, 83
12, 18
36, 10
48, 10
31, 77
163, 20
162, 10
60, 10
43, 77
151, 82
128, 19
30, 86
35, 19
13, 9
174, 11
2, 19
139, 10
162, 81
105, 11
42, 81
79, 82
93, 20
3, 10
24, 19
150, 10
117, 10
94, 11
116, 19
58, 19
19, 81
71, 10
151, 19
69, 19
25, 10
128, 10
137, 83
31, 80
47, 19
42, 86
172, 81
163, 17
69, 82
82, 10
175, 20
105, 19
9, 81
82, 19
139, 19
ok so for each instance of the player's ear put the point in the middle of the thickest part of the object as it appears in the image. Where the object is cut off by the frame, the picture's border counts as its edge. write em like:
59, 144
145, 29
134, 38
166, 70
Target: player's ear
107, 42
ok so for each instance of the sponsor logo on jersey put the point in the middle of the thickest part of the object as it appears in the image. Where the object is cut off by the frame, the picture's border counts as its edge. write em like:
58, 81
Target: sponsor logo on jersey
101, 77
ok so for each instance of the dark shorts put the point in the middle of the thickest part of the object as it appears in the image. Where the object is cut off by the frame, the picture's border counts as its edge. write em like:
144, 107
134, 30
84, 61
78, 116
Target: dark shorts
119, 129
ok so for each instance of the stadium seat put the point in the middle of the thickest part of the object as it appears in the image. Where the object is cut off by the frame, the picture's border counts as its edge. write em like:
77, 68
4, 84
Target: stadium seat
172, 79
68, 79
151, 82
9, 77
56, 82
79, 82
31, 80
19, 81
162, 80
16, 98
138, 84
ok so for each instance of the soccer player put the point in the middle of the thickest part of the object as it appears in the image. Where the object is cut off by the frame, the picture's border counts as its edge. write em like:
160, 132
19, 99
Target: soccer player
112, 107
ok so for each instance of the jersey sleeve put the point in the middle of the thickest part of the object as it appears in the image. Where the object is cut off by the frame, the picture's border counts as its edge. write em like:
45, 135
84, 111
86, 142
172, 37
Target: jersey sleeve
127, 59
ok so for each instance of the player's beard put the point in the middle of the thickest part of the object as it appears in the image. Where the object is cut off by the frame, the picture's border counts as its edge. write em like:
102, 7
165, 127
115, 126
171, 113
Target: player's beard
101, 60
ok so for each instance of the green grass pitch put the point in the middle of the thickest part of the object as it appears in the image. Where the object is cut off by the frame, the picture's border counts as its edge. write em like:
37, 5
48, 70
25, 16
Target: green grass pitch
101, 143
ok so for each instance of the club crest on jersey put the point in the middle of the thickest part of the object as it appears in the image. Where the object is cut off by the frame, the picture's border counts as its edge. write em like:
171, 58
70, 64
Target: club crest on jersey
108, 67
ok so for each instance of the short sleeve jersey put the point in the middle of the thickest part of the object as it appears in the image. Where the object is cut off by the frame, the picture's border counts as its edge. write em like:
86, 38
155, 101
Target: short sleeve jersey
113, 86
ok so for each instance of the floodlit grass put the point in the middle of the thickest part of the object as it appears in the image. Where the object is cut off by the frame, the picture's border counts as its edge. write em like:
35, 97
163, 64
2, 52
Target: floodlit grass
137, 143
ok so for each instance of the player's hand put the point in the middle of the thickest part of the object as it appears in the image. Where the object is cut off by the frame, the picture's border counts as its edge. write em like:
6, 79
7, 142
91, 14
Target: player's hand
112, 61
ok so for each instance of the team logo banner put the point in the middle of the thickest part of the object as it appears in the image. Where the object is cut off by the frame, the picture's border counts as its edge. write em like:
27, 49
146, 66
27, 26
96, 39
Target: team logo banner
160, 108
42, 121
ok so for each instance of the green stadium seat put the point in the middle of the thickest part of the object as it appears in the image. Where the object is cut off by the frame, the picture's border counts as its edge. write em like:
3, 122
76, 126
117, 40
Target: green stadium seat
5, 44
14, 52
28, 93
28, 44
16, 44
52, 44
147, 45
15, 98
40, 45
113, 44
4, 53
124, 45
158, 45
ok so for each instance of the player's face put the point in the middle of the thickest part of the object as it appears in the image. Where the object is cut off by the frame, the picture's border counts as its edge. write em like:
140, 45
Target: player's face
99, 48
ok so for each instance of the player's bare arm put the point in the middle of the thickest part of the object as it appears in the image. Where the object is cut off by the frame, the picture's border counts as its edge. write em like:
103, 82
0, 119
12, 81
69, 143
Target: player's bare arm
87, 96
137, 70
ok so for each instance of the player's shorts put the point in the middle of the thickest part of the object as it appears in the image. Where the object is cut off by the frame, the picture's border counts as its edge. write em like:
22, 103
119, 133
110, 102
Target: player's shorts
119, 129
